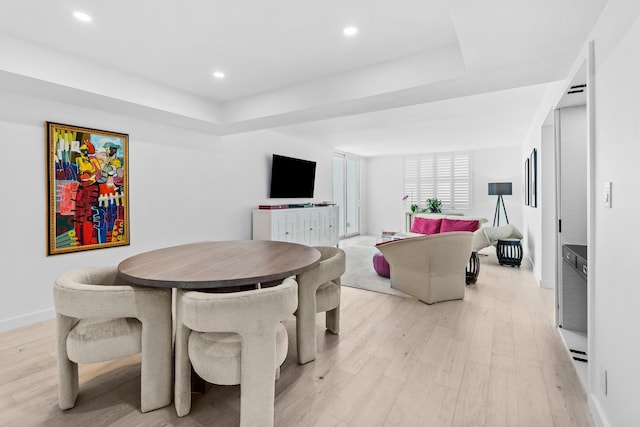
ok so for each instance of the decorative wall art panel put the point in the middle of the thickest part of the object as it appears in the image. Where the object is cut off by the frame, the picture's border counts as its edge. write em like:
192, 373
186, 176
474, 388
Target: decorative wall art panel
88, 188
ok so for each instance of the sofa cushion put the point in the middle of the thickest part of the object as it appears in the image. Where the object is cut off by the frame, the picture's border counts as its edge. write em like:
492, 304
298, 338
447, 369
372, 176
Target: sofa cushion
459, 225
426, 225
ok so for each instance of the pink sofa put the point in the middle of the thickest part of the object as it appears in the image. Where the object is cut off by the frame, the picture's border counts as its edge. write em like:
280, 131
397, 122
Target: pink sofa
429, 224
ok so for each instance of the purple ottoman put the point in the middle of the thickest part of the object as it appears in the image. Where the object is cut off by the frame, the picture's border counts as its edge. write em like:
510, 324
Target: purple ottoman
381, 266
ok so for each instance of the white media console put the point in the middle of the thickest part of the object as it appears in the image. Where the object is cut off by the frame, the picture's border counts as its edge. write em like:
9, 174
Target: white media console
313, 226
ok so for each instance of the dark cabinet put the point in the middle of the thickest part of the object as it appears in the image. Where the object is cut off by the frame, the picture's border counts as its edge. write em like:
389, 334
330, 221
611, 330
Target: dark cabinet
574, 288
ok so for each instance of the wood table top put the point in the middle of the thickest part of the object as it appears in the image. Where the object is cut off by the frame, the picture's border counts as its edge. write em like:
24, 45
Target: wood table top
218, 264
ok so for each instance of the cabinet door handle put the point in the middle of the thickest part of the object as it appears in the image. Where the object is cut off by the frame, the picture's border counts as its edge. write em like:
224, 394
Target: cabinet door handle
584, 269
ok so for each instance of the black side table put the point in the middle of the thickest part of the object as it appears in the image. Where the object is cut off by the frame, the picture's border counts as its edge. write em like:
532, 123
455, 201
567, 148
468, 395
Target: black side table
509, 252
473, 268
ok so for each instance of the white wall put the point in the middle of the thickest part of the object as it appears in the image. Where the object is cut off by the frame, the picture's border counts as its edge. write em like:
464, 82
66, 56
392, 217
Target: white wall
385, 209
532, 215
613, 291
614, 328
498, 165
547, 265
184, 186
539, 222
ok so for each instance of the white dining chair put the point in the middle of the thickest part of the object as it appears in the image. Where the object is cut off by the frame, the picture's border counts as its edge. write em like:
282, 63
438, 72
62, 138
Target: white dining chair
234, 338
319, 292
101, 318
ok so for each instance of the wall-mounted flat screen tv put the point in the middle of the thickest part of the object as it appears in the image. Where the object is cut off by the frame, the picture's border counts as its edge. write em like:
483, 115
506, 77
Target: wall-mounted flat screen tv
292, 178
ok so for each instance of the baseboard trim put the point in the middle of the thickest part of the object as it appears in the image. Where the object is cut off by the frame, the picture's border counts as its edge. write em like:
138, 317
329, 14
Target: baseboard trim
27, 319
547, 284
598, 415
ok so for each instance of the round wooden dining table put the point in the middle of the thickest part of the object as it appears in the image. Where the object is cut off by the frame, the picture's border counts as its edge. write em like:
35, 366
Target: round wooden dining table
218, 264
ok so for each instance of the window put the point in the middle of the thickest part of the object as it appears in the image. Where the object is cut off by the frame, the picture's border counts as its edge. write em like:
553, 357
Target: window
445, 176
345, 193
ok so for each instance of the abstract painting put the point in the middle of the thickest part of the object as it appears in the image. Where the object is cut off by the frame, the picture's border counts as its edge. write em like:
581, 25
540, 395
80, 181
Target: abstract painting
88, 188
527, 182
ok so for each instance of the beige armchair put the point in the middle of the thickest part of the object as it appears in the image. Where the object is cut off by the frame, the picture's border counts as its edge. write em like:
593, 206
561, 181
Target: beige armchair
234, 338
430, 268
491, 235
319, 291
101, 318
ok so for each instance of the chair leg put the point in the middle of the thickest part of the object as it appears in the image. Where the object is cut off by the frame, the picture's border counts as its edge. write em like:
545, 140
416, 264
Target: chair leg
306, 329
332, 320
257, 380
182, 388
156, 366
68, 383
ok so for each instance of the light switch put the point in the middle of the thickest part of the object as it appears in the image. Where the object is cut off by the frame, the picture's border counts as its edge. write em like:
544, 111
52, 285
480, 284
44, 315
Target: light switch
607, 195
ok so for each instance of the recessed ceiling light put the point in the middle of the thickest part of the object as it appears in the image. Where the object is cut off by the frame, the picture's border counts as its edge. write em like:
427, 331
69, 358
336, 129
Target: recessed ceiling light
350, 31
218, 74
81, 16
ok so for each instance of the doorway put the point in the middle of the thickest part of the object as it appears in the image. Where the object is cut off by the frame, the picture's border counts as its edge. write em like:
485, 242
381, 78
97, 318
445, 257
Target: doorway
346, 194
571, 124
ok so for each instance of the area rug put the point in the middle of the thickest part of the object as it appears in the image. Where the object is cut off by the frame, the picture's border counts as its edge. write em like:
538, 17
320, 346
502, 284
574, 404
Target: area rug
360, 274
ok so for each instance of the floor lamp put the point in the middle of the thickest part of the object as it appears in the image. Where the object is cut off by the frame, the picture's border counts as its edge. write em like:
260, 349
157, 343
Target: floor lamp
500, 189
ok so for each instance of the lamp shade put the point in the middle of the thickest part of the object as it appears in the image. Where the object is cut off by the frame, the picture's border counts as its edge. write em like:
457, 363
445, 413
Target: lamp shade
499, 189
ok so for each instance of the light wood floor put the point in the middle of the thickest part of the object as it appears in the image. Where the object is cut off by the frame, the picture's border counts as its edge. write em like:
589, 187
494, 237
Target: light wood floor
493, 359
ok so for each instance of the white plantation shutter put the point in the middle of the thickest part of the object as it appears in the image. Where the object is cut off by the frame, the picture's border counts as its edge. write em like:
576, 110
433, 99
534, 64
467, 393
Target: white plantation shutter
411, 178
461, 165
445, 176
443, 180
426, 183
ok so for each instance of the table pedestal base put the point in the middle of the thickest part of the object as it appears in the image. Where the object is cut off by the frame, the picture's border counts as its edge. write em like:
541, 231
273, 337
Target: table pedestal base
473, 268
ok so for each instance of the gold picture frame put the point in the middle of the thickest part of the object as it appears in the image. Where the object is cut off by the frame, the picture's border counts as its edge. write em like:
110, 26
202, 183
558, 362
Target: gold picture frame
88, 188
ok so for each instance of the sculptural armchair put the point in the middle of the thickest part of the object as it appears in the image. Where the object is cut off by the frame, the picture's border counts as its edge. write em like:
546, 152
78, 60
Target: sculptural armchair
430, 268
100, 318
319, 291
234, 338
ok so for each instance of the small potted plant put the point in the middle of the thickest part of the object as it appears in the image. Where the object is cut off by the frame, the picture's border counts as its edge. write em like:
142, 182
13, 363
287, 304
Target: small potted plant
434, 206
